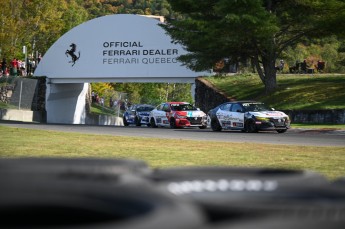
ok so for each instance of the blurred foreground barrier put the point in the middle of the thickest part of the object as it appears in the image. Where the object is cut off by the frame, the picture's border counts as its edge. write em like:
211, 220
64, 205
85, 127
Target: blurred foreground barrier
126, 193
79, 193
74, 168
279, 223
231, 196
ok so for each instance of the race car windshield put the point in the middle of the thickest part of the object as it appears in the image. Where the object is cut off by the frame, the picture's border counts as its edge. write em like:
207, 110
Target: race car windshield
183, 107
256, 107
141, 109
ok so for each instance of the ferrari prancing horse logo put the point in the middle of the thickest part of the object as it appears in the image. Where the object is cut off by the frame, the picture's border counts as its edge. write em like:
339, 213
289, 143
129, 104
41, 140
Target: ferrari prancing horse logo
71, 52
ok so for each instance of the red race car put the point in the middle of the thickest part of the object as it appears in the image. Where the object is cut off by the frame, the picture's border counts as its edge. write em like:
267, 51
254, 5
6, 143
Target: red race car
177, 115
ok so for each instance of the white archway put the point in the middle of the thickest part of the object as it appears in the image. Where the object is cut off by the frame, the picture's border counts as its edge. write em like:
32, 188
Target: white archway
114, 48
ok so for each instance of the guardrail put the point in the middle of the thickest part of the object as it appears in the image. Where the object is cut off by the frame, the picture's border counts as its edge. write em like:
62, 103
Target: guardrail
334, 116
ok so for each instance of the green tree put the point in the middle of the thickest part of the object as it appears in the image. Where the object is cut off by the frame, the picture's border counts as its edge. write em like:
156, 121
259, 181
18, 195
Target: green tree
74, 14
36, 24
101, 88
155, 93
8, 14
326, 49
258, 29
43, 22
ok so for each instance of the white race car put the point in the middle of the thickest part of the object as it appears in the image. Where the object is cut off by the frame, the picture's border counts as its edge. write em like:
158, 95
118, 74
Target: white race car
249, 116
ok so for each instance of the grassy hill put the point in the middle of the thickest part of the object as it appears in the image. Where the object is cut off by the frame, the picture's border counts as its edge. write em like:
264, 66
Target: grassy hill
295, 92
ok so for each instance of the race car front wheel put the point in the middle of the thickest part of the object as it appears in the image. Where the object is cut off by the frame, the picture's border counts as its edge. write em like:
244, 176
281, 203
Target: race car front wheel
250, 126
215, 126
153, 123
125, 123
137, 121
172, 123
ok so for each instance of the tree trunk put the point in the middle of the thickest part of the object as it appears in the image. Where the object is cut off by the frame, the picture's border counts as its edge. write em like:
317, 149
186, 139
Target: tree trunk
267, 72
167, 92
270, 79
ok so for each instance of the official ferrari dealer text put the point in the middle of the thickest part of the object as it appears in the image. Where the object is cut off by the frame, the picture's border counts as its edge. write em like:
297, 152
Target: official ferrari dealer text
137, 55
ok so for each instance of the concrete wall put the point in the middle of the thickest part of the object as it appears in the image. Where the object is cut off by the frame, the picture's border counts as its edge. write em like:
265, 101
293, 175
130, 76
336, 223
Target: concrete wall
317, 116
29, 93
103, 120
207, 96
23, 95
21, 115
38, 116
65, 103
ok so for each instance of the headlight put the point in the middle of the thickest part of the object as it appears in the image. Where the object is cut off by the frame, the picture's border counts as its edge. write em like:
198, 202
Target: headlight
263, 119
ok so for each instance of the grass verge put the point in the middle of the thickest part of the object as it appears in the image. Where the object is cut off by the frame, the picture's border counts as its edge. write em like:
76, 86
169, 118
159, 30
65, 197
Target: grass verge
294, 92
319, 126
17, 142
102, 110
7, 106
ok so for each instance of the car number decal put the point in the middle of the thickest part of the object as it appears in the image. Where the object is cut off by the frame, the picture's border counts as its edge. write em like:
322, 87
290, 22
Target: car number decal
237, 124
226, 123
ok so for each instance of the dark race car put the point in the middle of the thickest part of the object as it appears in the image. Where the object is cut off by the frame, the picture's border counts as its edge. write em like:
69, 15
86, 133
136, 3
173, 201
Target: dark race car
137, 114
249, 116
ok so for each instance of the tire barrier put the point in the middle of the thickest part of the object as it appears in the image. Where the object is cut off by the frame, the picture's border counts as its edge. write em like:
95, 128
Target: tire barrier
273, 223
245, 193
77, 168
38, 200
340, 181
125, 193
86, 166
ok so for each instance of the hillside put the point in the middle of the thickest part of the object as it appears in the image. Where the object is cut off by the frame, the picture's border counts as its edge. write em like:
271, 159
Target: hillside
295, 92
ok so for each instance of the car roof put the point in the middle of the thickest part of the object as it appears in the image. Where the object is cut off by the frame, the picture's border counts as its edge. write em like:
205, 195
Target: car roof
177, 103
245, 101
144, 105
